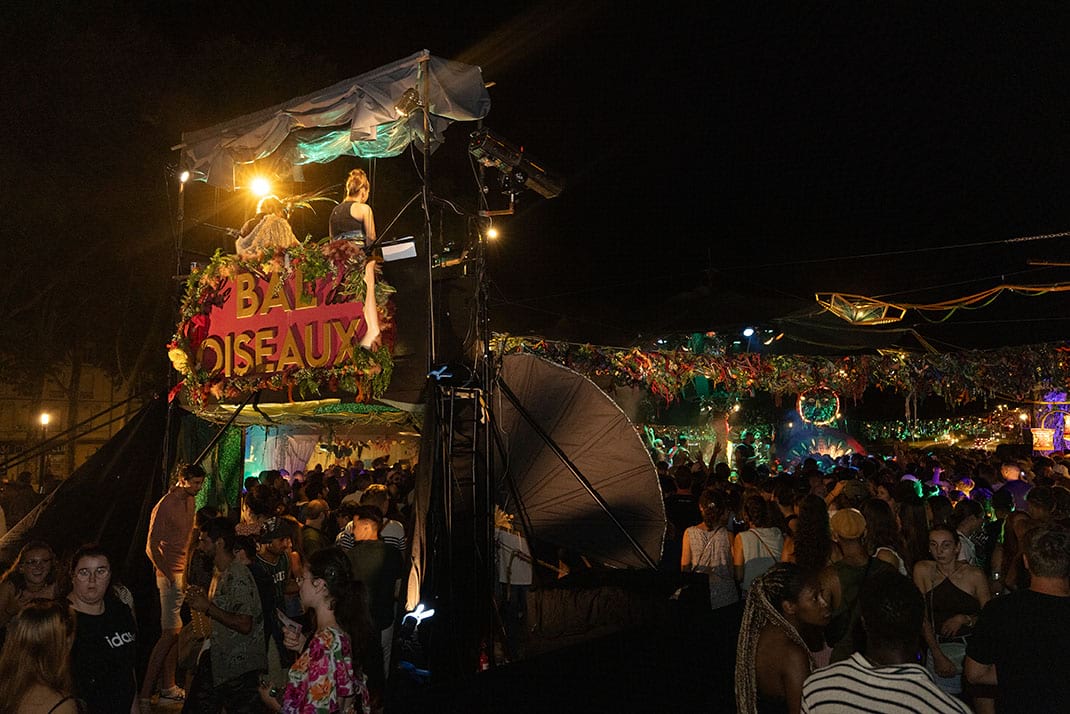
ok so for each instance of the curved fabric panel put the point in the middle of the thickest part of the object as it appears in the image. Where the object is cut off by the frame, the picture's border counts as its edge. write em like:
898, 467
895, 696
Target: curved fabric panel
596, 436
354, 117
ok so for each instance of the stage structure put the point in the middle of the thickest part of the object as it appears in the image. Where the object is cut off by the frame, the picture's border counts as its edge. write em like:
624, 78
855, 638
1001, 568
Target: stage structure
284, 340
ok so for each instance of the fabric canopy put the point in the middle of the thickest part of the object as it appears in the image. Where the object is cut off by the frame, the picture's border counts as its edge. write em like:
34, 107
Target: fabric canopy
355, 117
595, 436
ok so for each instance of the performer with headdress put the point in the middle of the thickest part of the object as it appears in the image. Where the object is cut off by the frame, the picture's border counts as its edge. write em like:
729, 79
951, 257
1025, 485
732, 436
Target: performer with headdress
267, 231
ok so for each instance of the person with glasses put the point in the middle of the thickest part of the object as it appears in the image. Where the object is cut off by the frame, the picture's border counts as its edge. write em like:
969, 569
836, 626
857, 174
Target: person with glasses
105, 646
32, 577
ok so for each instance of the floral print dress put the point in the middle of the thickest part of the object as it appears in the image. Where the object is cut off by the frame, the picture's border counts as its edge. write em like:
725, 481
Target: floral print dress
323, 675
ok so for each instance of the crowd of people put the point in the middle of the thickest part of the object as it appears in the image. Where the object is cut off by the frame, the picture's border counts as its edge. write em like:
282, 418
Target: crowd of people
922, 582
287, 603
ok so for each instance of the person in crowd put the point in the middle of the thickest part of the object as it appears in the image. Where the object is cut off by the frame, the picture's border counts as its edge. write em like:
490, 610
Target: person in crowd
259, 504
939, 508
986, 538
758, 548
266, 232
35, 673
707, 549
811, 546
31, 577
772, 660
887, 678
274, 580
379, 567
882, 533
966, 520
1014, 482
104, 653
785, 499
392, 531
1019, 643
327, 676
199, 569
914, 530
313, 537
843, 580
955, 592
744, 453
1040, 503
228, 671
167, 545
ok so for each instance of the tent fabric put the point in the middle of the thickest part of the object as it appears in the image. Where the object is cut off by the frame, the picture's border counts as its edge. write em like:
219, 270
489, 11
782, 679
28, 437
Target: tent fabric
354, 117
601, 442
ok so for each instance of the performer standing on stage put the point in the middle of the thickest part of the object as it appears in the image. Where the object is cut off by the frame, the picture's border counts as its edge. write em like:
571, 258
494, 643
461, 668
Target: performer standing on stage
352, 219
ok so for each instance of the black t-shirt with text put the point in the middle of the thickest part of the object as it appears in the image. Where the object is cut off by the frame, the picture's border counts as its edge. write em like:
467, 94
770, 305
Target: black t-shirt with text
103, 658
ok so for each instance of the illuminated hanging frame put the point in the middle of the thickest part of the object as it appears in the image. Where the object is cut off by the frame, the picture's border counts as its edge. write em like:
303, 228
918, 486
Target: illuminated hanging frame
820, 415
860, 310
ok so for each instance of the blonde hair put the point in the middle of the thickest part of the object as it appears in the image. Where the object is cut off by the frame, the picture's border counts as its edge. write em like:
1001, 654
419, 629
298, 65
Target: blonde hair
36, 652
356, 181
270, 204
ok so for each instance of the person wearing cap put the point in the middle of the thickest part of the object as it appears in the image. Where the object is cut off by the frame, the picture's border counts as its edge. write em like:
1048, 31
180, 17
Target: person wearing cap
845, 577
272, 573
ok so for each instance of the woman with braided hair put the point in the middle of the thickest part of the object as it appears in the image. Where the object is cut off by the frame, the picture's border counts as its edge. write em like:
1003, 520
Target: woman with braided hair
772, 660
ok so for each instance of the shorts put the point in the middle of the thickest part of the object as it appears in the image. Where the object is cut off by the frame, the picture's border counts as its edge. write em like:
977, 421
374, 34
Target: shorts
171, 597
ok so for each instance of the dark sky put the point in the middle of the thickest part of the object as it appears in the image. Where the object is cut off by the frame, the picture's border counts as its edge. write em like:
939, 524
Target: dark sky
723, 161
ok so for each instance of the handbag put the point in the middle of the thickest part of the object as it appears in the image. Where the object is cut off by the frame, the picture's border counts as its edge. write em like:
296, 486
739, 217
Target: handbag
694, 594
955, 648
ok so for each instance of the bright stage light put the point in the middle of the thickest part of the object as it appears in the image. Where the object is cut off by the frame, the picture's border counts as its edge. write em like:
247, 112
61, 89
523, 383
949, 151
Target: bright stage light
1023, 416
183, 177
748, 332
45, 418
260, 186
492, 233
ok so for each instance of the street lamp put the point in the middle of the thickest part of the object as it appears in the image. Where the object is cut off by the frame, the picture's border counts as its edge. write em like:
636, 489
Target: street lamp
44, 419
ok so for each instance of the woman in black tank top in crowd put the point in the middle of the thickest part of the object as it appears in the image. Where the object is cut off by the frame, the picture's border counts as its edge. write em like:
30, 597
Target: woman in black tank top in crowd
352, 220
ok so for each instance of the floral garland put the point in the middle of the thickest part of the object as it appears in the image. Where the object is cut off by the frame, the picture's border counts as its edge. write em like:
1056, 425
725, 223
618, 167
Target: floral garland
958, 378
366, 374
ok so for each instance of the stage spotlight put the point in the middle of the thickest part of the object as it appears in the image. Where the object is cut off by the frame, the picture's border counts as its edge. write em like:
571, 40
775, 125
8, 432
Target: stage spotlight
748, 332
409, 102
493, 151
492, 233
183, 177
260, 186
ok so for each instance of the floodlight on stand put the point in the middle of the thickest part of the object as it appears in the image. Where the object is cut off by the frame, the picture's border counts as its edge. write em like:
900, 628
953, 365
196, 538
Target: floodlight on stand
409, 102
860, 310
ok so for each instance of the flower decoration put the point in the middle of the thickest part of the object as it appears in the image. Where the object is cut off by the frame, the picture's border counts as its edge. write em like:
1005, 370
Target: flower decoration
365, 374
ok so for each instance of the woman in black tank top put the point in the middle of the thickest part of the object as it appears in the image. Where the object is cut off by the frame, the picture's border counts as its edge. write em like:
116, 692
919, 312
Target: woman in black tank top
352, 219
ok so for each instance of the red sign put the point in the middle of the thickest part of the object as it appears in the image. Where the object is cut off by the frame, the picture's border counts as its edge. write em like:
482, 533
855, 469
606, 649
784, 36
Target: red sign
266, 326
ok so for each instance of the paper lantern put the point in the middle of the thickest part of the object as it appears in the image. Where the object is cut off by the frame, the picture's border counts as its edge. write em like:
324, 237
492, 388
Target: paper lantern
1043, 439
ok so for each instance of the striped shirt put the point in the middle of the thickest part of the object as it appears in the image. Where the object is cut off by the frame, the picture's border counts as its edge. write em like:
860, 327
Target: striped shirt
392, 533
855, 685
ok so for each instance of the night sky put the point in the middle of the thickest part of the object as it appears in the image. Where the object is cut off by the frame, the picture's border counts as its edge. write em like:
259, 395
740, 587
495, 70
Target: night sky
722, 161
